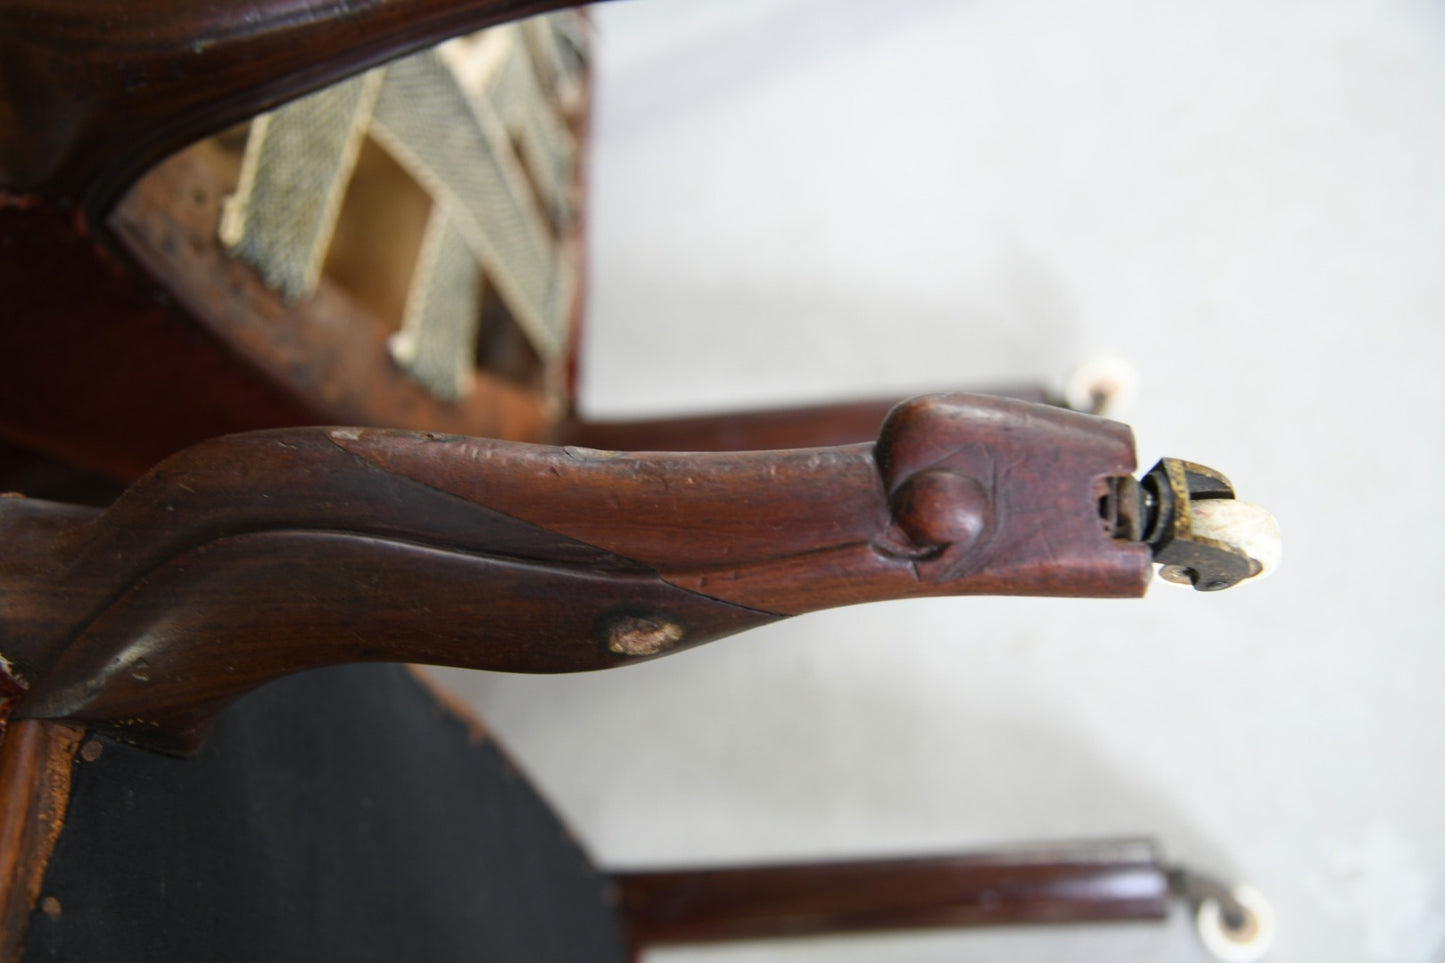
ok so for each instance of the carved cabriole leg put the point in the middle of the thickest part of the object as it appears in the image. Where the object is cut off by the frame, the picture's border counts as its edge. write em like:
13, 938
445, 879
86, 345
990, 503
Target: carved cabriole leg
963, 494
254, 556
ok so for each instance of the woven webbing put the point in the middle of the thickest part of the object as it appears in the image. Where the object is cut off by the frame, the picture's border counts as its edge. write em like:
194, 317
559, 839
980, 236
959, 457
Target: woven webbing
480, 124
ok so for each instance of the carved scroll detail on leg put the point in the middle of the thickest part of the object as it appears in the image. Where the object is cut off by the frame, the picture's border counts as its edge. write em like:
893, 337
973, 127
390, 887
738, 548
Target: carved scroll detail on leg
1005, 494
253, 556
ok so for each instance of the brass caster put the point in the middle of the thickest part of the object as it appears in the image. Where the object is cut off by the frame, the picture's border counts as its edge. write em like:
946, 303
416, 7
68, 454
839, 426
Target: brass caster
1195, 528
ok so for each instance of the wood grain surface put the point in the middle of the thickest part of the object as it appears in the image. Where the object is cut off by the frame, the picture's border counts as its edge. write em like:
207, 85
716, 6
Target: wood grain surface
1061, 883
253, 556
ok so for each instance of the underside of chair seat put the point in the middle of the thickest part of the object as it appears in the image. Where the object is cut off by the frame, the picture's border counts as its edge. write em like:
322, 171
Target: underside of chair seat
341, 814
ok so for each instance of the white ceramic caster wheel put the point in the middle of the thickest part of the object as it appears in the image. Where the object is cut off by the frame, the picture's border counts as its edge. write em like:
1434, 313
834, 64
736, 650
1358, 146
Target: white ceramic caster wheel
1103, 385
1240, 525
1245, 943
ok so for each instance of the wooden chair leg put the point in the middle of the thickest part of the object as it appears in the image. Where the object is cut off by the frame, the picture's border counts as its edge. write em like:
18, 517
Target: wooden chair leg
1112, 880
806, 426
254, 556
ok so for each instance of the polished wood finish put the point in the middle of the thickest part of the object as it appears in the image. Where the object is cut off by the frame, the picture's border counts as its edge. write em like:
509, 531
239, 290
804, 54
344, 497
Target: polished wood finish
804, 426
1066, 883
797, 531
35, 766
96, 94
253, 556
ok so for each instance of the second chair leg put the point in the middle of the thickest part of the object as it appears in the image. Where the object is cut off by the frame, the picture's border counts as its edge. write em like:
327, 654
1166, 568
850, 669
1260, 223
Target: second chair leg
1062, 883
808, 426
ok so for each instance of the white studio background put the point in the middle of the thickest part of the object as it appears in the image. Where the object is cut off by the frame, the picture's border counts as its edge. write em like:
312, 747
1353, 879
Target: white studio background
799, 201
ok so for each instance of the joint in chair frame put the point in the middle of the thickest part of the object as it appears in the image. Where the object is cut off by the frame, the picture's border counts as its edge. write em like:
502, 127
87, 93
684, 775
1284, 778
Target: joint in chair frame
469, 518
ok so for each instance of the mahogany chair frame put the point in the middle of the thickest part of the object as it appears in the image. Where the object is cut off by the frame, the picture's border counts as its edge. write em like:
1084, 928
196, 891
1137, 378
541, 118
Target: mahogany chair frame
495, 554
